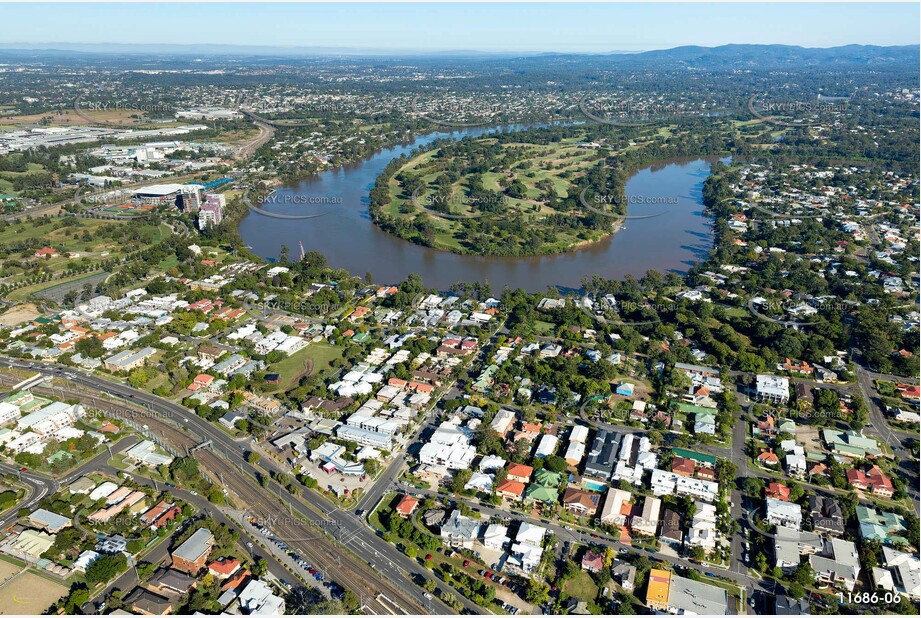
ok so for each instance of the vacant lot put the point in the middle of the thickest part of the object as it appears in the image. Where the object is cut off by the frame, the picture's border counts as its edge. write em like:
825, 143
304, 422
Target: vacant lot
314, 358
19, 314
29, 594
581, 587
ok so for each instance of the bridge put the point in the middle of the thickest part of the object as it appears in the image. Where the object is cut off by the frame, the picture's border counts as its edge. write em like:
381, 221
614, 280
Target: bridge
34, 381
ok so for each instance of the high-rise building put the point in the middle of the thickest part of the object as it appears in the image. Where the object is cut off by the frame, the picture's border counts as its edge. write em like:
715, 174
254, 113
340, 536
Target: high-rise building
212, 211
190, 197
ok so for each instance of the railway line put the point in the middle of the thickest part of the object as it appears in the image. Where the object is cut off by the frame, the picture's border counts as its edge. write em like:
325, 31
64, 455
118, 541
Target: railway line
301, 533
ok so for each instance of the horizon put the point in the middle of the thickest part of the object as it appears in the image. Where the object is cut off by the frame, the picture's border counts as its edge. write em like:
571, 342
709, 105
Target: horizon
446, 28
218, 49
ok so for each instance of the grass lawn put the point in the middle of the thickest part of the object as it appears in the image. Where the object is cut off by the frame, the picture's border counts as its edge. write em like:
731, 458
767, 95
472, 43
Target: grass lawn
560, 164
29, 593
314, 358
581, 587
543, 328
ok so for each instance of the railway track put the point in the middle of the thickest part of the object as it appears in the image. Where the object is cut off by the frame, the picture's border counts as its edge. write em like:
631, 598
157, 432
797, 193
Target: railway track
261, 503
378, 596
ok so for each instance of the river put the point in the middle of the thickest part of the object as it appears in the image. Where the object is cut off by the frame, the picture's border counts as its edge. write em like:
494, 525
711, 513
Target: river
675, 234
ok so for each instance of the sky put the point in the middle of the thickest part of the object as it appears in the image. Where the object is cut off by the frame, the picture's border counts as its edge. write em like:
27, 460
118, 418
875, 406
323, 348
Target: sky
450, 27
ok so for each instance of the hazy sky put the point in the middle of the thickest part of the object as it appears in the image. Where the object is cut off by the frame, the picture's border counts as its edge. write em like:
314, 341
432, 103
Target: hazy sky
495, 27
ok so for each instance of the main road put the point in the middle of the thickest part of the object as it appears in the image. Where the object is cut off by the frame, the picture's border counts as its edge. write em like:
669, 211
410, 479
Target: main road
385, 585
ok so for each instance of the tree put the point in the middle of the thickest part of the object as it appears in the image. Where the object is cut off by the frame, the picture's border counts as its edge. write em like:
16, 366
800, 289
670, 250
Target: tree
78, 597
537, 592
260, 567
752, 486
138, 377
803, 574
796, 591
105, 568
555, 463
350, 601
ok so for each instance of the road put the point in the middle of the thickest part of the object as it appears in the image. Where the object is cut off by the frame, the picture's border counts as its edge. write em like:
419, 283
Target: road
160, 553
225, 461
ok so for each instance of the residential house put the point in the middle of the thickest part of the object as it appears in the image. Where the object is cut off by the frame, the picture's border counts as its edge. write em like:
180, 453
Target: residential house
782, 513
899, 573
407, 506
580, 502
192, 556
459, 530
648, 521
838, 564
826, 515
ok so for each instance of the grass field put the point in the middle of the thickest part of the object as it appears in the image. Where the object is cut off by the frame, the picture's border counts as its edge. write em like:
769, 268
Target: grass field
68, 117
581, 587
53, 232
7, 571
314, 358
29, 594
544, 172
90, 242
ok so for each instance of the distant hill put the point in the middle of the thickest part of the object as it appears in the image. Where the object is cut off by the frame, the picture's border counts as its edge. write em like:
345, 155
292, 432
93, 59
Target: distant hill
773, 56
725, 57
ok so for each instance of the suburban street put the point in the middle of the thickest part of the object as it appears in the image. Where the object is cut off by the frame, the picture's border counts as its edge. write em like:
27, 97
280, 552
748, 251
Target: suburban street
388, 569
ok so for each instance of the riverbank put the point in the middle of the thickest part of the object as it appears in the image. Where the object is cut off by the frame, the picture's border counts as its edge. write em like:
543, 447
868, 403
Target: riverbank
345, 234
537, 192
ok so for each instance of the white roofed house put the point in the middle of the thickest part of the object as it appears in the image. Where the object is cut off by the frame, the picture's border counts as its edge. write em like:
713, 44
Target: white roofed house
527, 550
574, 453
496, 537
702, 532
450, 447
774, 389
648, 521
503, 421
258, 598
480, 482
613, 505
782, 513
899, 572
546, 446
491, 462
579, 433
459, 530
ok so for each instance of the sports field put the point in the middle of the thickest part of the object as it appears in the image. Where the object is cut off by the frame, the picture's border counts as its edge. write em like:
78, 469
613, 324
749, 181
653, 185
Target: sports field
28, 593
